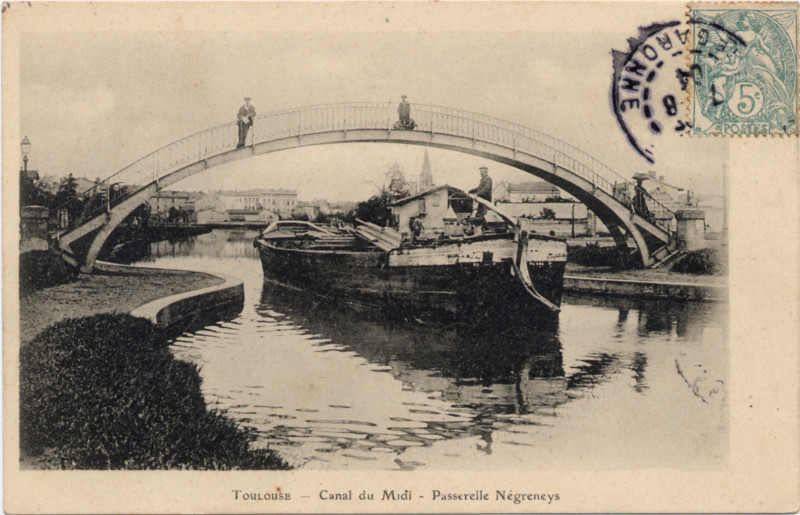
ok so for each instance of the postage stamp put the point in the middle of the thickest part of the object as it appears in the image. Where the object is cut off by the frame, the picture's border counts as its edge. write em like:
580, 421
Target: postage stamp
744, 69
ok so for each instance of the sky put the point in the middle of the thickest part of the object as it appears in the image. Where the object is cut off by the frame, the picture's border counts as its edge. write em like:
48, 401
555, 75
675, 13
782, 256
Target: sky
94, 101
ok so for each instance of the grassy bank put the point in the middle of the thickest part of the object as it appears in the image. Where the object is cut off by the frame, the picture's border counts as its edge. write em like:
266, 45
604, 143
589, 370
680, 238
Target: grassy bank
120, 291
104, 392
39, 269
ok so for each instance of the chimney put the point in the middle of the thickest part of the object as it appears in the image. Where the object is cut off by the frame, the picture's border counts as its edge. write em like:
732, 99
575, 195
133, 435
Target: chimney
660, 178
652, 174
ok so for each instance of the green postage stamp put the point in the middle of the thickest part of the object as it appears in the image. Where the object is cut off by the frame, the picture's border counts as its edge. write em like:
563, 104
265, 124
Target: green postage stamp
744, 66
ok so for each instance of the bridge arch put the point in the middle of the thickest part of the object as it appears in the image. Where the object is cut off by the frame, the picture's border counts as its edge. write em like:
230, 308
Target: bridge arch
552, 160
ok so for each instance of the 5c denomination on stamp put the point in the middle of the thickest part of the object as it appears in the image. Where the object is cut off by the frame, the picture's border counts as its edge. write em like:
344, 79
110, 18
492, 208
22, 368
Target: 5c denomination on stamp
744, 69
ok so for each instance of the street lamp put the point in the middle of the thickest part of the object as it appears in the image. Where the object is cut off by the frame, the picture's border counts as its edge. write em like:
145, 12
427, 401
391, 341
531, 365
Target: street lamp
26, 149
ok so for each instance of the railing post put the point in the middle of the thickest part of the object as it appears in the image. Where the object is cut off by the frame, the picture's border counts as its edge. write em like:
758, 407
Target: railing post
299, 136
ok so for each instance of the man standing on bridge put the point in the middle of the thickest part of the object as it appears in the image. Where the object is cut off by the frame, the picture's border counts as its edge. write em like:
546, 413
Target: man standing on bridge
404, 113
245, 120
484, 191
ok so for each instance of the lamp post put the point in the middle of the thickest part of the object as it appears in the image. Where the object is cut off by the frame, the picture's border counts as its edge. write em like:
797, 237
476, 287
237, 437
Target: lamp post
26, 149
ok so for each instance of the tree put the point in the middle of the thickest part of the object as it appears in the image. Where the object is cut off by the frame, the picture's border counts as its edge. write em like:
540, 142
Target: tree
94, 205
394, 183
547, 214
67, 198
322, 218
31, 194
376, 209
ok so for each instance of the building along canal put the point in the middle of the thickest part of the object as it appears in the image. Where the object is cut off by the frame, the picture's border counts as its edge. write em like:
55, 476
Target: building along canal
620, 383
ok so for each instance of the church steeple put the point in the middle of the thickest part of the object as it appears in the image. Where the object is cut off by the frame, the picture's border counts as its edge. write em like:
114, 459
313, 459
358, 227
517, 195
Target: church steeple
425, 176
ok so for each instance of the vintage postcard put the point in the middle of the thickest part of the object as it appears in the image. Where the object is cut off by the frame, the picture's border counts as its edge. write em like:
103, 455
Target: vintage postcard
400, 257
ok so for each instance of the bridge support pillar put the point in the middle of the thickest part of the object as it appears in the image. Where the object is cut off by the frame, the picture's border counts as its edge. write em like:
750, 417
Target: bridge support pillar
691, 229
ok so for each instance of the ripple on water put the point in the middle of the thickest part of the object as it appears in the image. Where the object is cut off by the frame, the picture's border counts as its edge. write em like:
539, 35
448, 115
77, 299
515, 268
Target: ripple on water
403, 443
349, 422
511, 442
425, 412
432, 436
418, 430
282, 416
360, 458
381, 448
408, 465
342, 436
307, 439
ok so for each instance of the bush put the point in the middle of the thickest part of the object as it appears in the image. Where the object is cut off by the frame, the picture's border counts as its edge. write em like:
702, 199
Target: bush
592, 254
104, 392
41, 269
700, 262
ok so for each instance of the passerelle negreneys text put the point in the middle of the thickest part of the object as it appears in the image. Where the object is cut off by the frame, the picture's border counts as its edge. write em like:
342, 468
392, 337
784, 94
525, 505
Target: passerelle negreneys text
499, 495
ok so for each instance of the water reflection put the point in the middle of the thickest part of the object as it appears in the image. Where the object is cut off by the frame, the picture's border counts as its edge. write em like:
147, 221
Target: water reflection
216, 244
684, 319
492, 370
498, 378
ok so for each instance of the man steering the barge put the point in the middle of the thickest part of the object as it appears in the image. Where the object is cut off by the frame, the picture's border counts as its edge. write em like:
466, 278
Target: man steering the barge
484, 191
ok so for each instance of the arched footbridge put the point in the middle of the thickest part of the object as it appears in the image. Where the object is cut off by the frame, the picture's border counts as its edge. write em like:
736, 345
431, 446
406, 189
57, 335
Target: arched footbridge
607, 193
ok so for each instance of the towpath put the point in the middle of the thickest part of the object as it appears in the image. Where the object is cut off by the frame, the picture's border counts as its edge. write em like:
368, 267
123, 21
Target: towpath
647, 283
657, 275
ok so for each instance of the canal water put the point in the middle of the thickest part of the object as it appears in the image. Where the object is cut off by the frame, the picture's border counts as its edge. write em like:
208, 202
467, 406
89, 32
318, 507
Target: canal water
619, 383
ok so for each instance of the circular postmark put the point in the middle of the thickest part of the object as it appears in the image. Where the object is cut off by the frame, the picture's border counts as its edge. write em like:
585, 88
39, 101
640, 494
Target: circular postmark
649, 88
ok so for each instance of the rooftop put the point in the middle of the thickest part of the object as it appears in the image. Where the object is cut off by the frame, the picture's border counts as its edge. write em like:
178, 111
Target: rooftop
256, 192
172, 194
244, 211
532, 187
425, 193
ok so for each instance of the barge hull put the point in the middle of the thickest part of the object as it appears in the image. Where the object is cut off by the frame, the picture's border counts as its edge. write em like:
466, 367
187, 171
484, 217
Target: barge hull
366, 280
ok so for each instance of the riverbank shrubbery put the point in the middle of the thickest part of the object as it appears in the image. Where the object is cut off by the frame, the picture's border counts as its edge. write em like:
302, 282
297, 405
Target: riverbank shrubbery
701, 262
41, 269
592, 254
104, 392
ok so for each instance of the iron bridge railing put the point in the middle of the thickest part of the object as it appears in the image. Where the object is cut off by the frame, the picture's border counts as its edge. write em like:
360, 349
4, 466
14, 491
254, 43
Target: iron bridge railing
305, 121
